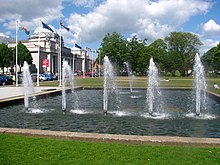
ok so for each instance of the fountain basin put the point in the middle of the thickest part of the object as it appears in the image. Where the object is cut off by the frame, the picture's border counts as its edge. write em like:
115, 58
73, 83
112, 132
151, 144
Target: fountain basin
176, 119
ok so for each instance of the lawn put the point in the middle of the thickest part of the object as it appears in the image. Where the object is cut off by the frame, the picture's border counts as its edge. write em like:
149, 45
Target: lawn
17, 149
139, 82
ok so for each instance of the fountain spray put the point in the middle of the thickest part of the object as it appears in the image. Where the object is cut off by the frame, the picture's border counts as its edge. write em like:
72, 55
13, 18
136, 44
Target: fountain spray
109, 83
130, 76
153, 92
27, 85
67, 76
199, 85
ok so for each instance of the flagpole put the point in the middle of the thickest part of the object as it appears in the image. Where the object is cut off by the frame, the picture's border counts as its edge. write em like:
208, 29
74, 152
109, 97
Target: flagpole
99, 66
73, 64
60, 62
84, 64
16, 58
38, 71
92, 64
84, 72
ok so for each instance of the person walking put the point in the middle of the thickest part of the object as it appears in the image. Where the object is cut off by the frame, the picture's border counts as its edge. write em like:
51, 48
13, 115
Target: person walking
216, 86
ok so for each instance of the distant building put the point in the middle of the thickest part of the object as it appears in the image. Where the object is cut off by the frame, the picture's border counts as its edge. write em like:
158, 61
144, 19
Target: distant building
46, 58
81, 60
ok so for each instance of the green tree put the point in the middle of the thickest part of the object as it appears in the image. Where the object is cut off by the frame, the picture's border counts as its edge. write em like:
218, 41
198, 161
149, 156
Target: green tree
159, 44
23, 55
184, 46
211, 59
158, 50
6, 56
114, 46
120, 50
136, 54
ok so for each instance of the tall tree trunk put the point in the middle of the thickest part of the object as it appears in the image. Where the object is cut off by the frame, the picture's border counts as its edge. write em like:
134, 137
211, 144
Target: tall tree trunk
3, 72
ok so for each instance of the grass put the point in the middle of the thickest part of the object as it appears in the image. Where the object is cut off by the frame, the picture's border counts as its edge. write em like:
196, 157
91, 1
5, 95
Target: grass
17, 149
139, 82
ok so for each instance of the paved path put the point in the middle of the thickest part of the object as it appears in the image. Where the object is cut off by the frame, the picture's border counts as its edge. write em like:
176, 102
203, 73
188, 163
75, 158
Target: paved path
12, 91
131, 139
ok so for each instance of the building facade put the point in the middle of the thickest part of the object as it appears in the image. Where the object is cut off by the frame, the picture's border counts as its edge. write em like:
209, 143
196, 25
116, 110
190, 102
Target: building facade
44, 47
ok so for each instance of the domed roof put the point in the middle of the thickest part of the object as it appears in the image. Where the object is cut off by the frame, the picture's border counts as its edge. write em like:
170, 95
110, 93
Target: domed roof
41, 29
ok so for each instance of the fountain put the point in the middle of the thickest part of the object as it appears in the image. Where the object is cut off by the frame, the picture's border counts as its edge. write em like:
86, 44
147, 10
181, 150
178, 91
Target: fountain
132, 123
109, 85
27, 85
130, 76
67, 77
131, 120
153, 93
199, 85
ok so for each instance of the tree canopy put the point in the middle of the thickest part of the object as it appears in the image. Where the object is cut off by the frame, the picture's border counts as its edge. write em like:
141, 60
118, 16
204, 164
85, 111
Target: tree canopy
175, 52
23, 55
6, 56
211, 59
114, 46
183, 46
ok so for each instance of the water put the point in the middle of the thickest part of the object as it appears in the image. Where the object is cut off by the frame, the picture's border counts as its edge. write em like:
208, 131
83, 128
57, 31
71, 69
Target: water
126, 115
67, 79
27, 85
130, 120
130, 76
109, 85
200, 86
153, 95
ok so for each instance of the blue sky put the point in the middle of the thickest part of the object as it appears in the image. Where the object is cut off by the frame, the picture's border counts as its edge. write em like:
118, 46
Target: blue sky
90, 20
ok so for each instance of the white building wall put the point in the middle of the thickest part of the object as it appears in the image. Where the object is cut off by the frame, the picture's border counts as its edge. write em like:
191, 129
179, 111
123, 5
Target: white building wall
49, 49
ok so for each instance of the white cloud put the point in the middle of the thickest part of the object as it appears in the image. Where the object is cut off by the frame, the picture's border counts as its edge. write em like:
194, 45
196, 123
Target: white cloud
211, 28
149, 19
29, 12
3, 35
207, 45
86, 3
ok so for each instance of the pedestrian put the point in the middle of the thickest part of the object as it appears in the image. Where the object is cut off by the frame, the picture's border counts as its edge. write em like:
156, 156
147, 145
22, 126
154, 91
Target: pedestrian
216, 86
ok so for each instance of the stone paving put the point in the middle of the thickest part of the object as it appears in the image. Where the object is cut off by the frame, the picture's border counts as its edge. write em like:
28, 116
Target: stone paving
12, 91
131, 139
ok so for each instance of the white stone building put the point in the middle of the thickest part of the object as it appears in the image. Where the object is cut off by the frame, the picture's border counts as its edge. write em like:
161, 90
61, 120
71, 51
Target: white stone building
46, 58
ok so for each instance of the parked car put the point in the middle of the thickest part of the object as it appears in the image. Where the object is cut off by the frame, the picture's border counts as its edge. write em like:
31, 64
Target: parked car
49, 77
92, 74
6, 80
34, 78
41, 77
1, 81
55, 77
20, 78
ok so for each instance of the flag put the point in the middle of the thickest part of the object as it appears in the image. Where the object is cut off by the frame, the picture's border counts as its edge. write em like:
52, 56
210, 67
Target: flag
62, 24
25, 30
88, 49
77, 46
95, 51
46, 26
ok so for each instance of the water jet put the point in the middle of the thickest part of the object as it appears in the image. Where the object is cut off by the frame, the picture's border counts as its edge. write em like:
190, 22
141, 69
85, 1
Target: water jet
199, 86
153, 95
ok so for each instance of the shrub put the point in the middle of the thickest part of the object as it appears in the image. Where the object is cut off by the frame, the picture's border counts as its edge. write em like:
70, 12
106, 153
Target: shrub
177, 73
168, 74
